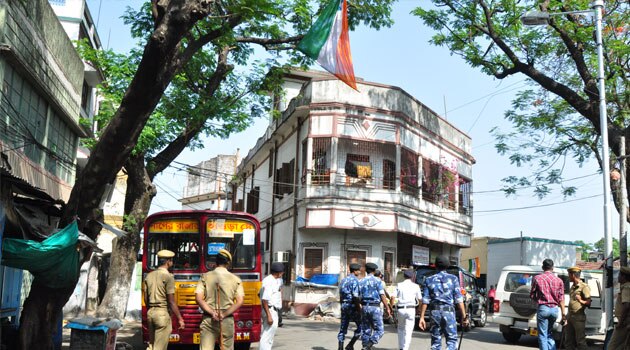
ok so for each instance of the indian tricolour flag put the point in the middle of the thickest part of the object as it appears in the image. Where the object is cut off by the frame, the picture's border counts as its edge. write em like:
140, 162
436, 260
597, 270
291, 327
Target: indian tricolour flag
474, 268
328, 42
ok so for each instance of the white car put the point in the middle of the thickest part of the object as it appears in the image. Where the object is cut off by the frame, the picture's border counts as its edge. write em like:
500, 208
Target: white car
515, 311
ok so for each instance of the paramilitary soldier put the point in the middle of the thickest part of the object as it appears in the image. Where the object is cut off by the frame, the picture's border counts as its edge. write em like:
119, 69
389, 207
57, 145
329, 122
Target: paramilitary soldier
159, 295
219, 294
350, 308
579, 300
372, 294
621, 335
441, 293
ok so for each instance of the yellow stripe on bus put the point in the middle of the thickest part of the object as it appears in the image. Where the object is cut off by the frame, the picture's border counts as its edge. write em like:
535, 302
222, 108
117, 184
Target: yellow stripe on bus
185, 293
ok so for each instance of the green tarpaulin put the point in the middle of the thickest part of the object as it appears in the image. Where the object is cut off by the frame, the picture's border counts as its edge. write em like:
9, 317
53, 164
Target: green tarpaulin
54, 262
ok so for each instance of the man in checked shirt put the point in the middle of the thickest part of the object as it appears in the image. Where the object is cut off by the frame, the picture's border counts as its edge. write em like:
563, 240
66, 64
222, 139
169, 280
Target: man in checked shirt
548, 292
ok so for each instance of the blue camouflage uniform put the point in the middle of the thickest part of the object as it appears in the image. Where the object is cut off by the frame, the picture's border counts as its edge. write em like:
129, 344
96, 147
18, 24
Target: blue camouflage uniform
441, 293
348, 292
371, 289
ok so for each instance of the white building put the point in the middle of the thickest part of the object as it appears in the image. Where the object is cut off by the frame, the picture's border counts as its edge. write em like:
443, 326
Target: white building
345, 176
208, 183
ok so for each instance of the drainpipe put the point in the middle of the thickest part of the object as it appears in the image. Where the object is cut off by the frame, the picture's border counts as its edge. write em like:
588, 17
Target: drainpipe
272, 221
296, 178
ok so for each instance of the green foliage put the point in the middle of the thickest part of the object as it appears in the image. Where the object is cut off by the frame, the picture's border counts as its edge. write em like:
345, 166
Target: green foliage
555, 117
193, 101
601, 245
585, 248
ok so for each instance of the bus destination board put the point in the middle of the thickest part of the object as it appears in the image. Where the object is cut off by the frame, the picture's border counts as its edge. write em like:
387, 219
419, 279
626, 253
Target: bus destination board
227, 228
174, 226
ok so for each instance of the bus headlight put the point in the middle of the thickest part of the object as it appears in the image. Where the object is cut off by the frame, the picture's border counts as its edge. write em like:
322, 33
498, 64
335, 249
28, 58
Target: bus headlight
240, 324
249, 324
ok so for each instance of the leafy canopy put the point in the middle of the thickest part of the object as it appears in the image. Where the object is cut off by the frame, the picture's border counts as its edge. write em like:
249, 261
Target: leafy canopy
555, 117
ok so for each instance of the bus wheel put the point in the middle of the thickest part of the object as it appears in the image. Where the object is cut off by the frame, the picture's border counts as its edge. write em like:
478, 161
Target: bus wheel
242, 346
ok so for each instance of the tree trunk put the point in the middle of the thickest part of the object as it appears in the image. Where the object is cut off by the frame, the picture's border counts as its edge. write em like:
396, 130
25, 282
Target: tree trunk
140, 192
41, 315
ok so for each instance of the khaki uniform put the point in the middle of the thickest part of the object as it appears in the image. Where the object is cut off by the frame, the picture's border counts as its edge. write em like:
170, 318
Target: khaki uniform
157, 285
229, 286
575, 338
620, 339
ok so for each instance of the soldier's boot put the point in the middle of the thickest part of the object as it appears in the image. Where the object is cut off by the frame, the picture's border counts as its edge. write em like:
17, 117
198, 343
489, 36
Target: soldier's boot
340, 346
350, 345
368, 346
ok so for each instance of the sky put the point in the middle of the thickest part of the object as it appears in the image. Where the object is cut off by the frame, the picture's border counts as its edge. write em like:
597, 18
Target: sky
473, 102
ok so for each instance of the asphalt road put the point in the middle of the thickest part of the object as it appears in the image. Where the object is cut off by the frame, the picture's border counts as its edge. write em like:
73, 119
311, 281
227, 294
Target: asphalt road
305, 334
318, 335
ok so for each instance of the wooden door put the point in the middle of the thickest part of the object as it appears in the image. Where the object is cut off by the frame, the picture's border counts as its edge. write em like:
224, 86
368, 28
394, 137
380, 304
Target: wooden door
357, 257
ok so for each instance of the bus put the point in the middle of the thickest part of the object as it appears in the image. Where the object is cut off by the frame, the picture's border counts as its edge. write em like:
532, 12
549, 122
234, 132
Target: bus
196, 237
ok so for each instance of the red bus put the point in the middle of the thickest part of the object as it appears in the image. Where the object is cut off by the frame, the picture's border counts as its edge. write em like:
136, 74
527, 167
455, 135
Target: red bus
196, 236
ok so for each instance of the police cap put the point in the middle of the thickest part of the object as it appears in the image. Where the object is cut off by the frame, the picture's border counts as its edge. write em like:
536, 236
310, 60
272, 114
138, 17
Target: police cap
408, 273
277, 267
226, 254
165, 253
574, 269
371, 266
355, 267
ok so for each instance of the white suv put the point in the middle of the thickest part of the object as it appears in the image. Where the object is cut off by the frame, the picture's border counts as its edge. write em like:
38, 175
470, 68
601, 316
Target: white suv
515, 311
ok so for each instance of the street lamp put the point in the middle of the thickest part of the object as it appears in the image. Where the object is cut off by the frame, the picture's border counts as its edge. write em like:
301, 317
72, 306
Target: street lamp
542, 18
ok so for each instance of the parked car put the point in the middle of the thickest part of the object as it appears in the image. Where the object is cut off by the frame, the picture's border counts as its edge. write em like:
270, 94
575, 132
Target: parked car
475, 299
515, 311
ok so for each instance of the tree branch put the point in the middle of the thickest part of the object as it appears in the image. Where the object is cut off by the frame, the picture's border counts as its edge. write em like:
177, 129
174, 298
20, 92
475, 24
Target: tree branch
266, 42
163, 159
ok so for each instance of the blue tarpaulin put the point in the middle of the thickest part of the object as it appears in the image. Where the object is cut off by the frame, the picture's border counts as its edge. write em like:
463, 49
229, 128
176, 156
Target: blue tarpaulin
54, 262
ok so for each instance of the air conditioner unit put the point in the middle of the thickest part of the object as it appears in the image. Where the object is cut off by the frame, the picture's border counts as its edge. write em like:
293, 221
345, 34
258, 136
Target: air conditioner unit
281, 257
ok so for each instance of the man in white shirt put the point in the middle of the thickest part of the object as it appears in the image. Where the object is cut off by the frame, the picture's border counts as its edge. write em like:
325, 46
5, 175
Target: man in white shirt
271, 300
408, 295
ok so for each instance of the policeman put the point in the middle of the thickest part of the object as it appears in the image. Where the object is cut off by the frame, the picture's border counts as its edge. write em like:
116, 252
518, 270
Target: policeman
159, 295
372, 294
350, 309
441, 293
579, 300
621, 335
408, 296
219, 294
271, 300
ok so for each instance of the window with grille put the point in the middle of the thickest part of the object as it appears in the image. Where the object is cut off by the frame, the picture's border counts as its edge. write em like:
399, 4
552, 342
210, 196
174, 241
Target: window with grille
366, 164
449, 181
313, 259
430, 181
409, 172
321, 161
465, 191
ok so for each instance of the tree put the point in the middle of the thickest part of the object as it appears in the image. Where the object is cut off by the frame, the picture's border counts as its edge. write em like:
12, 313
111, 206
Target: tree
600, 246
179, 31
557, 117
585, 248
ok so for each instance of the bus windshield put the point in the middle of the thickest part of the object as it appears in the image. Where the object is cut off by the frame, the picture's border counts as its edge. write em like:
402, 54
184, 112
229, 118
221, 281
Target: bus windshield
178, 235
238, 236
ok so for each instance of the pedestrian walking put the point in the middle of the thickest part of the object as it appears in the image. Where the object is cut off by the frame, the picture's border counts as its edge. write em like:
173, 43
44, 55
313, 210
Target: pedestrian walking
621, 335
579, 300
219, 294
408, 296
271, 300
440, 295
492, 293
548, 292
159, 296
372, 294
350, 306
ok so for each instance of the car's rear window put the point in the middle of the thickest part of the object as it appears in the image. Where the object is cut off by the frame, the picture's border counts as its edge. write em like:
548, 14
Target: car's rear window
514, 280
424, 272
